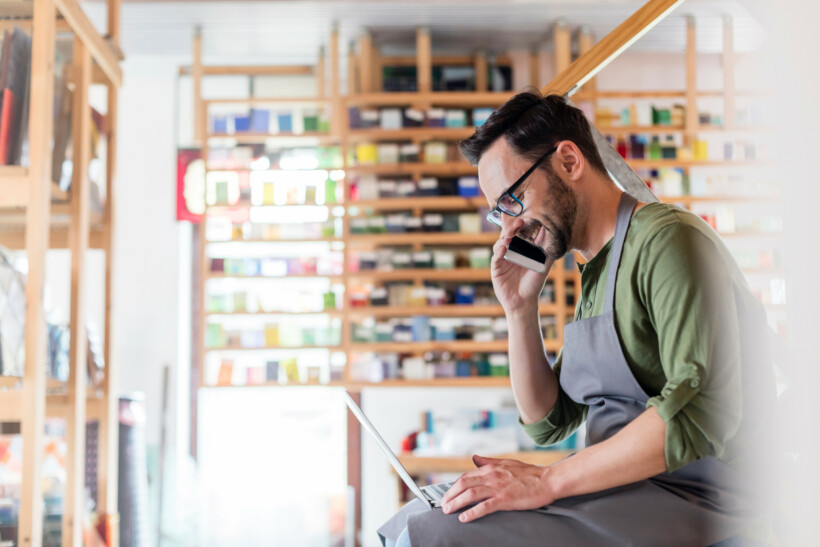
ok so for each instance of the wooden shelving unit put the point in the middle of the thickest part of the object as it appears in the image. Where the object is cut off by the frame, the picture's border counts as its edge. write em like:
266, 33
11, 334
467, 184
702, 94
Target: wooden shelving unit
30, 193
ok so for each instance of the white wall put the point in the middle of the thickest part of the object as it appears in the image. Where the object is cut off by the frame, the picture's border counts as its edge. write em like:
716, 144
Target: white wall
150, 247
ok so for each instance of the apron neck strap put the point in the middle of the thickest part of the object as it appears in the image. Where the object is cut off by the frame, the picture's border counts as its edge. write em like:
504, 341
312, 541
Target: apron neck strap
625, 207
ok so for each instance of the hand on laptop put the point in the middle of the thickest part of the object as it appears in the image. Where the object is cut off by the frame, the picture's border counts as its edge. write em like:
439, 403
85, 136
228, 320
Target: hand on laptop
499, 485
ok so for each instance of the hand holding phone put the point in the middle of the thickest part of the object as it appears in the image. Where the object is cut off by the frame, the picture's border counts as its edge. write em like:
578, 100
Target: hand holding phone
523, 253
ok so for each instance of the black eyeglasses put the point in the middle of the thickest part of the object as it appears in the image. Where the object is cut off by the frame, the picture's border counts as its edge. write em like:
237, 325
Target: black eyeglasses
508, 203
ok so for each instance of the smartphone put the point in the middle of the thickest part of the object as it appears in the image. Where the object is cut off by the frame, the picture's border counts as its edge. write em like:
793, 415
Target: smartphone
524, 253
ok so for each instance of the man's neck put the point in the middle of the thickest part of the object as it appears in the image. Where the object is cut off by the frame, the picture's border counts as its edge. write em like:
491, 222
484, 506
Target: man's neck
600, 219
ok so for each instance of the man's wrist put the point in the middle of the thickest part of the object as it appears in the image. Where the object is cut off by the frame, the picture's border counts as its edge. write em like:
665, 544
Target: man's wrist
523, 313
557, 479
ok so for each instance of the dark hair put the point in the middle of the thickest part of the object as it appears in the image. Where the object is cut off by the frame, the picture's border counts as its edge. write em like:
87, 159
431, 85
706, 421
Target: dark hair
532, 124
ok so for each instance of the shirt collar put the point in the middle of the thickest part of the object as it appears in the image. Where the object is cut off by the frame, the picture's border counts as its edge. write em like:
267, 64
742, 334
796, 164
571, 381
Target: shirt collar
596, 263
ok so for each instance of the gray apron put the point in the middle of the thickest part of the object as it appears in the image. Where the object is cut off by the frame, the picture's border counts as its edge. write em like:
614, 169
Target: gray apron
702, 503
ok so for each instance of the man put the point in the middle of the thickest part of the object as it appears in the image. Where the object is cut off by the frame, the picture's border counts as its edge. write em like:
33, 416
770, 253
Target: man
666, 360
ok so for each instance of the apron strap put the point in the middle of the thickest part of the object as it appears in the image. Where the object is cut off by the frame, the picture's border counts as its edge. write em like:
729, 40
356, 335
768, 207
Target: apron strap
625, 207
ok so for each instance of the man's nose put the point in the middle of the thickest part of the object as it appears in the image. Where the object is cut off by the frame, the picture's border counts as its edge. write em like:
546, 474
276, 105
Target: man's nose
510, 225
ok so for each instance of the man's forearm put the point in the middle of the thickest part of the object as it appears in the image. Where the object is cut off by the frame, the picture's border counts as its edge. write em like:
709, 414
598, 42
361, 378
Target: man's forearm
533, 382
633, 454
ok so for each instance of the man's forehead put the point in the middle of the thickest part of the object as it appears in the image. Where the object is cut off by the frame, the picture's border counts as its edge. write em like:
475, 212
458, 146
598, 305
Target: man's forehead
494, 168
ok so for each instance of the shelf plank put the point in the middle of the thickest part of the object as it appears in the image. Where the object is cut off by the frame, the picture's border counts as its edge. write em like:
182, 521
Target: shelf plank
457, 381
432, 203
219, 275
331, 313
499, 346
272, 348
708, 199
411, 134
669, 129
429, 238
15, 186
298, 139
436, 98
653, 164
270, 100
282, 241
421, 465
449, 310
276, 384
456, 274
416, 168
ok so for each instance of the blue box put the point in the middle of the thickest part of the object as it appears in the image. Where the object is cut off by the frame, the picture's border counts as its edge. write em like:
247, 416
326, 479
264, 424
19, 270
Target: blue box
465, 294
468, 187
463, 367
260, 120
480, 115
444, 335
220, 124
241, 124
421, 328
285, 122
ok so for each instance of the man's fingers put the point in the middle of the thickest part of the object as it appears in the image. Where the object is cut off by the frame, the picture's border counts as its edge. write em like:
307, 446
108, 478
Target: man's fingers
483, 509
465, 481
481, 461
467, 497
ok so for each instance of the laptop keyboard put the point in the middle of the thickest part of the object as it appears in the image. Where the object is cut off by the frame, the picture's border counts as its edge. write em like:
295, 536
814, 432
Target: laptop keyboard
439, 489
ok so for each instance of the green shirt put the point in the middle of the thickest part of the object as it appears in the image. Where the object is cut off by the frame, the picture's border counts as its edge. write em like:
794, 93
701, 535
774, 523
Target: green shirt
690, 329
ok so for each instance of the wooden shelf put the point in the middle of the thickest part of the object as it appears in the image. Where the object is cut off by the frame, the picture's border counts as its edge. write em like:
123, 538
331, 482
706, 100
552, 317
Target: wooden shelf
657, 164
432, 274
272, 348
411, 134
449, 310
435, 98
14, 186
455, 168
432, 203
457, 381
332, 313
669, 129
276, 384
708, 199
315, 101
58, 239
428, 238
332, 278
300, 139
421, 465
280, 241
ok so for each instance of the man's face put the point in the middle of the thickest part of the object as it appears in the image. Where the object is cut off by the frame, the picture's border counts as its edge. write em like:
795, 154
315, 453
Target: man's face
550, 205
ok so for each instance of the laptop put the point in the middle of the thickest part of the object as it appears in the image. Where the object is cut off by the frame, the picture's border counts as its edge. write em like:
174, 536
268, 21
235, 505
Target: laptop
431, 494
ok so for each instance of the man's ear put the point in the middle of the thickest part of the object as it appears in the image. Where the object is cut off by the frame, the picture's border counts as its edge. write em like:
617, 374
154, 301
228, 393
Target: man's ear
570, 160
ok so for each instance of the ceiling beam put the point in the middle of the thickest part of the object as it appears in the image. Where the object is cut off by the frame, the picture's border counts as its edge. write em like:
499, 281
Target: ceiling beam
584, 68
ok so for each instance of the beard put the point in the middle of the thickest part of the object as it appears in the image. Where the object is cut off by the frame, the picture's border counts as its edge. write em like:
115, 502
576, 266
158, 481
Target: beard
557, 219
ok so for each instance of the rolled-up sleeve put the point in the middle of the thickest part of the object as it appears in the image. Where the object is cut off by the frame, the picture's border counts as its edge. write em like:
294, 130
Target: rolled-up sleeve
560, 422
690, 300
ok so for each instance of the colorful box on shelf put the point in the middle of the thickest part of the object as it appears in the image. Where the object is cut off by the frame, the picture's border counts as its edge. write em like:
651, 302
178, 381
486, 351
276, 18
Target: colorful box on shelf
260, 120
284, 122
436, 117
391, 118
435, 153
455, 118
468, 187
481, 115
413, 117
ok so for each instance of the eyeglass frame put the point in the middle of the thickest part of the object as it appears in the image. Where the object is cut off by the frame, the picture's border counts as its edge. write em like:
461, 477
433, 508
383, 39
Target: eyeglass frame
513, 187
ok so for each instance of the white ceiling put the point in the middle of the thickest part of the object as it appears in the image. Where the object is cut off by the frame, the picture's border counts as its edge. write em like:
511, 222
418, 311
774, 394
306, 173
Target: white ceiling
291, 32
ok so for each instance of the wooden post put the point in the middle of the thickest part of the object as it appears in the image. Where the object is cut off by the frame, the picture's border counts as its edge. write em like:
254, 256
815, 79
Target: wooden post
481, 72
351, 70
199, 112
365, 63
336, 105
520, 59
320, 74
109, 422
114, 22
585, 42
74, 498
354, 462
30, 523
691, 122
424, 60
563, 46
535, 78
728, 73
